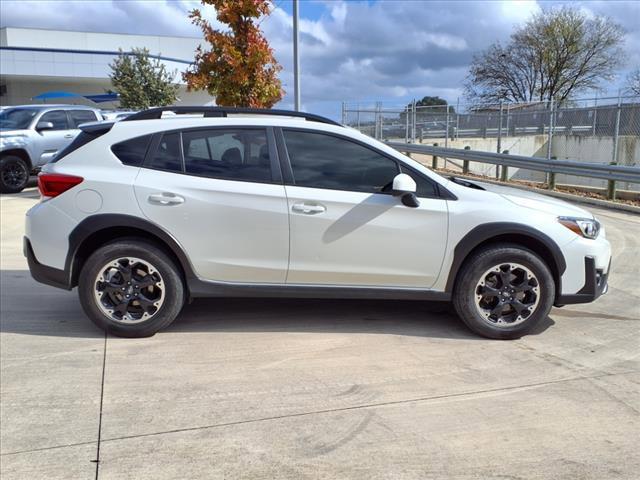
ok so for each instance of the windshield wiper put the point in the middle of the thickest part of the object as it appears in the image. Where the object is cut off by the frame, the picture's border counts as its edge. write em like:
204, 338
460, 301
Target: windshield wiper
465, 183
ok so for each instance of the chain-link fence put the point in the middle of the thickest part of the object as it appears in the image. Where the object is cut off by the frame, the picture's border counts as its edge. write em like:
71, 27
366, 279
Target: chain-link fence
596, 130
604, 118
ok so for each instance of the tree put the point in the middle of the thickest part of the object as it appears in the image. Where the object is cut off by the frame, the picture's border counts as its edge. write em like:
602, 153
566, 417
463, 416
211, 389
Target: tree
555, 55
239, 69
633, 82
142, 82
438, 107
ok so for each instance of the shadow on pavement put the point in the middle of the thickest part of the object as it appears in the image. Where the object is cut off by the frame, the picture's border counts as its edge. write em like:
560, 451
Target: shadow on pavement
29, 308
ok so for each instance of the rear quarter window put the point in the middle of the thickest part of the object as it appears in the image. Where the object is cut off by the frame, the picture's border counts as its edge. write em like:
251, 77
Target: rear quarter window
132, 152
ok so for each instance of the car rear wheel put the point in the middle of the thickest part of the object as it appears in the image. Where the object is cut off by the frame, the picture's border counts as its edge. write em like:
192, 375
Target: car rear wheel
503, 291
14, 174
131, 289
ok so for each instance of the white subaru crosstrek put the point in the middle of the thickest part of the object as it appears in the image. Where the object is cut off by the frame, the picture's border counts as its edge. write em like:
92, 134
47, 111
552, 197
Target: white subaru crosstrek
146, 213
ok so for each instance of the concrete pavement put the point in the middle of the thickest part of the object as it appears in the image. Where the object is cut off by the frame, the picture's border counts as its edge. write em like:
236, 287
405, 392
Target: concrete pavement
317, 388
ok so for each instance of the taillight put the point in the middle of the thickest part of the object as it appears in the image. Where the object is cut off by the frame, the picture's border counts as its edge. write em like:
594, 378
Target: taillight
53, 184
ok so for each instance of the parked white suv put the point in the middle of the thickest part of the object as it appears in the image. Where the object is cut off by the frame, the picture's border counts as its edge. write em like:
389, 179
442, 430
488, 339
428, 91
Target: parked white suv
143, 214
31, 135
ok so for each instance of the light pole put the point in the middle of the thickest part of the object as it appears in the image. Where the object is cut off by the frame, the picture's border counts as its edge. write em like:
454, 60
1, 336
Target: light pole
296, 59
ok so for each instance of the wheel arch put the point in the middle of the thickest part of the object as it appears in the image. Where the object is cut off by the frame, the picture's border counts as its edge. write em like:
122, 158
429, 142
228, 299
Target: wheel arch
98, 230
513, 233
18, 152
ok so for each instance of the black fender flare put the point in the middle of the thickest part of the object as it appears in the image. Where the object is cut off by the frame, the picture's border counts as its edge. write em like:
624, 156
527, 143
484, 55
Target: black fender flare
483, 233
95, 223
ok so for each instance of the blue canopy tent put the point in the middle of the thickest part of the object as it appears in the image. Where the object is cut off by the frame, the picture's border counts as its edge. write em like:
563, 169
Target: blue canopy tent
97, 98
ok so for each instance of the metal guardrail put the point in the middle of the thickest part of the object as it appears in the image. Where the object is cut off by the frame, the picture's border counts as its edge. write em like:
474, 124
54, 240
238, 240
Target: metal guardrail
619, 173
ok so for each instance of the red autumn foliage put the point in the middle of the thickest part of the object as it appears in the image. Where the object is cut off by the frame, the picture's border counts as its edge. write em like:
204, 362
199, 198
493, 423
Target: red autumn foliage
239, 69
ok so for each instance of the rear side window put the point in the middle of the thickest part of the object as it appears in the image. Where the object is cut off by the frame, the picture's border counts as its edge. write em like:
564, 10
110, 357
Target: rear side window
133, 151
81, 116
227, 154
167, 156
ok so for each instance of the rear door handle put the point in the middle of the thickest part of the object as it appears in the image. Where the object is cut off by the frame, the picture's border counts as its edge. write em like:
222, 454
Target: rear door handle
69, 135
308, 209
165, 198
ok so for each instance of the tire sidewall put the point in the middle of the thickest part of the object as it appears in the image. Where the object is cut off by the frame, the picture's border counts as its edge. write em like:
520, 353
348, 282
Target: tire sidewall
474, 268
5, 162
173, 284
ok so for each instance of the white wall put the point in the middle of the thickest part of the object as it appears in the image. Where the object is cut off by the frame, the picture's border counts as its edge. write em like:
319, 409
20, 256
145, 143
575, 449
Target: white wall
563, 147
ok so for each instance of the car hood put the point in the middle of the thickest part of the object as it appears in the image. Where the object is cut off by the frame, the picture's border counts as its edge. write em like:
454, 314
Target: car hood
536, 201
11, 133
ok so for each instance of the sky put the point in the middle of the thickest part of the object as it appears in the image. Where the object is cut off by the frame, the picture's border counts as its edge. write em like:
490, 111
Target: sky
355, 51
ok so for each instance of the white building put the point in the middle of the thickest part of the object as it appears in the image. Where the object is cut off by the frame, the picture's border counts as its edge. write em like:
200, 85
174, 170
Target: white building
36, 61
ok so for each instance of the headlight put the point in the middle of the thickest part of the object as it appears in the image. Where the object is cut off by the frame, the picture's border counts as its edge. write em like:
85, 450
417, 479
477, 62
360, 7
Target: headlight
585, 227
10, 140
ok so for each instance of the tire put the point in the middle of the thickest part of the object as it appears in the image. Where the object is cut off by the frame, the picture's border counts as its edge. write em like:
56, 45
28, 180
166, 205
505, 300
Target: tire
494, 285
131, 288
14, 174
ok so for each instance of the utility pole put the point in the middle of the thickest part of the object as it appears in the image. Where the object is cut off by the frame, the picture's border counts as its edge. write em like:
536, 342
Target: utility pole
296, 59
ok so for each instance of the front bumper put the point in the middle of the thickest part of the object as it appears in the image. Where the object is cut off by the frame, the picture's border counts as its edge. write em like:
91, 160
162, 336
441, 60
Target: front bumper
42, 273
595, 285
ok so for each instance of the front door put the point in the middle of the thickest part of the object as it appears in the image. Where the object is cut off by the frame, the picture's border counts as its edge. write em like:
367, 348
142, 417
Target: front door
345, 231
52, 140
215, 192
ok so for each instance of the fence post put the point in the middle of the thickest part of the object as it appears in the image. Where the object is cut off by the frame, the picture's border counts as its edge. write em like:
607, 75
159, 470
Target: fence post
504, 175
446, 129
549, 142
499, 129
407, 110
344, 113
457, 118
551, 185
611, 186
414, 124
616, 132
465, 163
434, 160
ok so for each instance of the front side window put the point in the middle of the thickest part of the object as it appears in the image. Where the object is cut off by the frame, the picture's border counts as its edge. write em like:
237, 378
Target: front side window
57, 117
81, 116
324, 161
227, 154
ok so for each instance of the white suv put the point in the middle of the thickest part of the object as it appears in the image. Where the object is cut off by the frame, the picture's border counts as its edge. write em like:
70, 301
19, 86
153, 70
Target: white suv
146, 213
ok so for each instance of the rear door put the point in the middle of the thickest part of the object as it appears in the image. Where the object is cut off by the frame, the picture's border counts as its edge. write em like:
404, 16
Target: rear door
345, 230
219, 192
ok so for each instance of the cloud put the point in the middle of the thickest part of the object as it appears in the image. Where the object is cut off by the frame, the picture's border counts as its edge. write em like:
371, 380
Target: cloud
355, 51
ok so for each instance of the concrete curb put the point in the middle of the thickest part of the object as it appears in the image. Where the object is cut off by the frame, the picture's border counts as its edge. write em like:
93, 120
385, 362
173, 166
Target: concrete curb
562, 195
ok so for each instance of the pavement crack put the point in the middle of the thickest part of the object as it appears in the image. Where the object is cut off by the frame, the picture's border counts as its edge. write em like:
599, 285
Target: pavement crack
313, 412
104, 363
366, 406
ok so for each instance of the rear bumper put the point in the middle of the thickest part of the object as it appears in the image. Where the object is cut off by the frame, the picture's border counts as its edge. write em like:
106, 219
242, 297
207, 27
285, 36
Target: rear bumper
596, 284
42, 273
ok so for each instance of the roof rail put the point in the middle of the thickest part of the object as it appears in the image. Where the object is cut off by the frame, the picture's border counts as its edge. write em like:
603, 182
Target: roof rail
156, 113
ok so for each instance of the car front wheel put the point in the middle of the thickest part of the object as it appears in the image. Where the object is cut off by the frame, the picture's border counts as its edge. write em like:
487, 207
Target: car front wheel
503, 291
14, 174
131, 289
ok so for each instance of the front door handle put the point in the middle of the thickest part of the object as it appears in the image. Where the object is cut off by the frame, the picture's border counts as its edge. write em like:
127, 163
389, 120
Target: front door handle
165, 198
69, 135
308, 209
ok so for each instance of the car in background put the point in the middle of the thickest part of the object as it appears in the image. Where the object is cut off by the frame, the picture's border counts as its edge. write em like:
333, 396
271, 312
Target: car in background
116, 115
31, 135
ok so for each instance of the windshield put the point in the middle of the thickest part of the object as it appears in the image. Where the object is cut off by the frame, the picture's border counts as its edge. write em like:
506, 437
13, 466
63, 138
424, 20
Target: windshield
17, 118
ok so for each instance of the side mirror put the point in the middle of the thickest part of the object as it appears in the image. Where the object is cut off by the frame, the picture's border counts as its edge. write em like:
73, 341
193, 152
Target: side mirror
405, 187
44, 126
